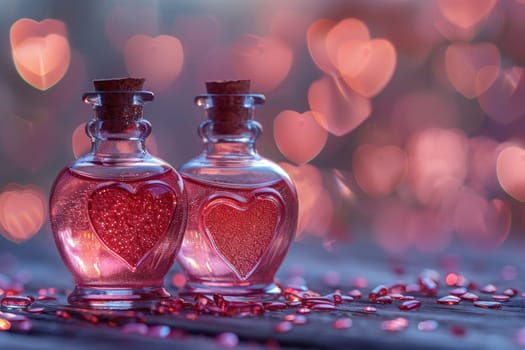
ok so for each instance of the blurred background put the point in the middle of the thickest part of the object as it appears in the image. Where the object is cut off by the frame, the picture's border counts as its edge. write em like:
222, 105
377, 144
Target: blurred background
401, 122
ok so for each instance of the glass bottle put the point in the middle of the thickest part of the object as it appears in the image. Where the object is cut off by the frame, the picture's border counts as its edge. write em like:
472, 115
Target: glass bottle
118, 213
242, 207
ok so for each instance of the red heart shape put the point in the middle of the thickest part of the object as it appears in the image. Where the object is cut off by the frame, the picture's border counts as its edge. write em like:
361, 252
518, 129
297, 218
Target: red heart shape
242, 229
131, 224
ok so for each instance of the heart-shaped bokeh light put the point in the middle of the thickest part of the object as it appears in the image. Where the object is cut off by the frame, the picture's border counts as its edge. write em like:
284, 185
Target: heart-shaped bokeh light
40, 50
299, 137
466, 13
22, 212
265, 61
503, 100
472, 68
378, 169
157, 59
336, 107
510, 163
367, 65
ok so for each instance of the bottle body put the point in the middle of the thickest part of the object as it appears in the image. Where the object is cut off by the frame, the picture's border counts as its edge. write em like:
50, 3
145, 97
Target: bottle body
118, 216
241, 224
242, 207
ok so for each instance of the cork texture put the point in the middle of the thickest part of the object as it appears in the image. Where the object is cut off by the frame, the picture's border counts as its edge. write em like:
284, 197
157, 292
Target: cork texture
228, 113
115, 105
119, 84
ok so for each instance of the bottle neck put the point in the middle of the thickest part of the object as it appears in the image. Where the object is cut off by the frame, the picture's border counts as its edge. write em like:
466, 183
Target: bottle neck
118, 139
229, 130
241, 143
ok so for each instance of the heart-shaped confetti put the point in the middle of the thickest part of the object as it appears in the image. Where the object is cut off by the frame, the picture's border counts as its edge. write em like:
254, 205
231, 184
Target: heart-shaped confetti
243, 229
130, 223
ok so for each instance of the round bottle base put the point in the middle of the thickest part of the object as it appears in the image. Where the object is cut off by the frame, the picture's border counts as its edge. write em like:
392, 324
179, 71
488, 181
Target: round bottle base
260, 292
117, 298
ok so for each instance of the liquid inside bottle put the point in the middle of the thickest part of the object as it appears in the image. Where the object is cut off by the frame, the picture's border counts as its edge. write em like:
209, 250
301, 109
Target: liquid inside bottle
118, 215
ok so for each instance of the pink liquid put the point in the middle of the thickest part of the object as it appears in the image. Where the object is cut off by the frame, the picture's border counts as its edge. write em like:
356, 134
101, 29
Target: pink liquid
236, 236
117, 234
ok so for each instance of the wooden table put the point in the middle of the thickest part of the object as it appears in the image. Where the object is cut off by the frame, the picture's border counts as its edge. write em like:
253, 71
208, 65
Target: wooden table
458, 326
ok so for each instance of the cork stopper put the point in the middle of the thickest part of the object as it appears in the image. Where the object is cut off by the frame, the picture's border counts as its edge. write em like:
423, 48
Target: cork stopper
228, 87
228, 113
116, 101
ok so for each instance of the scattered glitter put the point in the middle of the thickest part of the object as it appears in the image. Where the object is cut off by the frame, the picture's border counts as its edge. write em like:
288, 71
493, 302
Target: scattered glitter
178, 280
283, 327
469, 296
160, 331
410, 305
428, 285
511, 292
323, 307
90, 318
488, 304
458, 291
294, 303
63, 314
5, 325
395, 325
274, 306
383, 300
449, 300
303, 311
377, 292
396, 296
431, 274
427, 325
343, 323
227, 340
355, 293
369, 309
489, 289
413, 288
500, 297
16, 302
35, 310
458, 331
397, 288
134, 328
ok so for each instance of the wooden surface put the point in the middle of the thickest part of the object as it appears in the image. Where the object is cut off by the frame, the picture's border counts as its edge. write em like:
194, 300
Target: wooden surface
461, 326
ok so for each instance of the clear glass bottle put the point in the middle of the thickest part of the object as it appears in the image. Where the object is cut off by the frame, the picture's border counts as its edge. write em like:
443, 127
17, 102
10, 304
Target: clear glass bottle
242, 207
118, 213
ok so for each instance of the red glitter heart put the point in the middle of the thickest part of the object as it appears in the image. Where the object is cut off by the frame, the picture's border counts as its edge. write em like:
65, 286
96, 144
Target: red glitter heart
131, 224
242, 230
